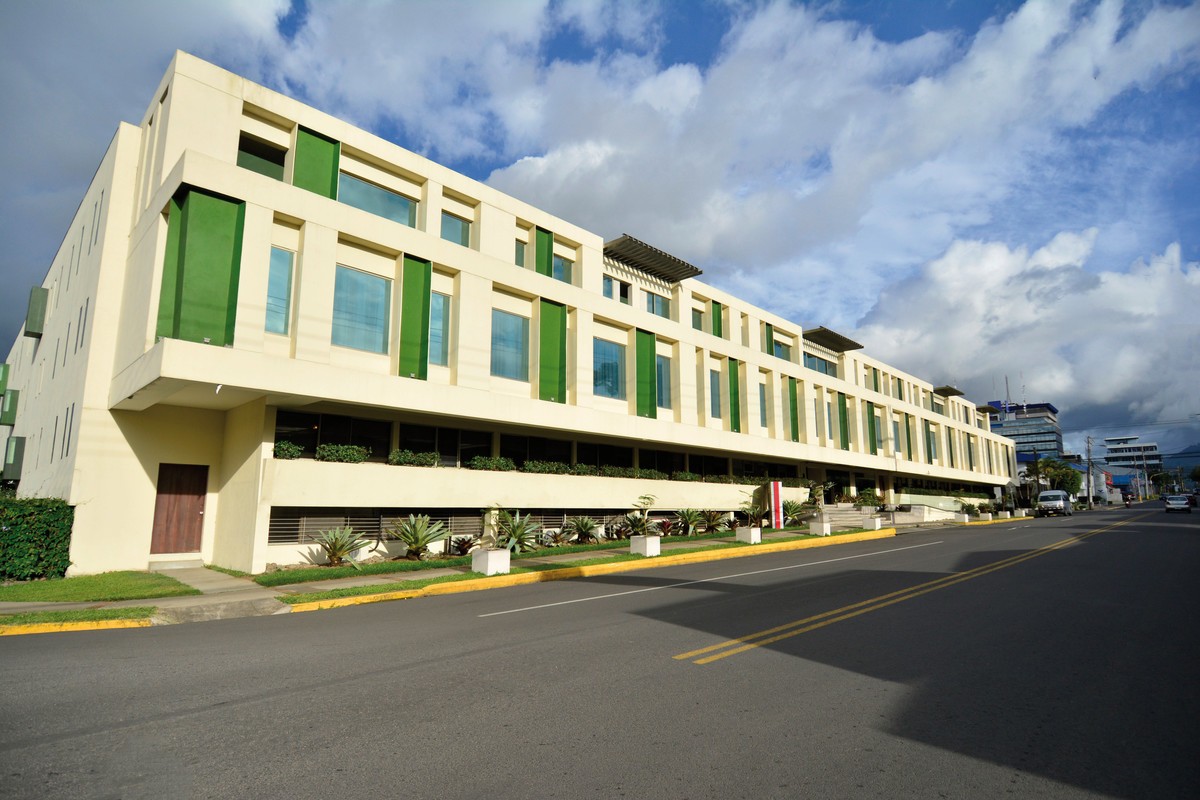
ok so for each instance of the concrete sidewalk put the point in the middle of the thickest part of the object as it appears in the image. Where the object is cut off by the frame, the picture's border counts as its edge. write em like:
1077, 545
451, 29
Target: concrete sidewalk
226, 597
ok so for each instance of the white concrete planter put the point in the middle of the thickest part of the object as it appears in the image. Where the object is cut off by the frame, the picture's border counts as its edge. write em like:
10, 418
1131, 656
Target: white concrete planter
645, 545
962, 518
1004, 515
819, 528
985, 517
491, 562
872, 523
748, 535
1020, 512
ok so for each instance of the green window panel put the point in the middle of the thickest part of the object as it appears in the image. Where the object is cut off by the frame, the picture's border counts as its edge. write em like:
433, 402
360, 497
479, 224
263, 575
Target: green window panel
950, 447
768, 338
647, 374
552, 338
198, 300
315, 166
843, 421
971, 452
793, 409
735, 396
908, 435
543, 251
414, 318
35, 314
875, 378
14, 457
4, 368
872, 438
718, 322
8, 407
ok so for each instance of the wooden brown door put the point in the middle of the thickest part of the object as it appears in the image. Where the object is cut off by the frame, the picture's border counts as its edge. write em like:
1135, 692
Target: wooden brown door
179, 508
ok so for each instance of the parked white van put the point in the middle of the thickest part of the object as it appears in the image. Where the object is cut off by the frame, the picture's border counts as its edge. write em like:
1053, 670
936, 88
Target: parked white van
1054, 501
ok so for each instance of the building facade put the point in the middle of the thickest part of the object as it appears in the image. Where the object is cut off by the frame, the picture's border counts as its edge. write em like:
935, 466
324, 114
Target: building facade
245, 271
1033, 427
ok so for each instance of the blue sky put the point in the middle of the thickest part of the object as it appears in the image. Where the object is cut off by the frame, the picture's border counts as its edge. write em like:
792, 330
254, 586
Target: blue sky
974, 190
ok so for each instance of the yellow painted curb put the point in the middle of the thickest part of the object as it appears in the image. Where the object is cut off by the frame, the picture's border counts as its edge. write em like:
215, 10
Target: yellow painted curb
58, 627
566, 573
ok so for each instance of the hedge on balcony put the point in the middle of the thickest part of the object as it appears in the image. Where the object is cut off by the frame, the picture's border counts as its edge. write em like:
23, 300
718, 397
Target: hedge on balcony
345, 453
407, 458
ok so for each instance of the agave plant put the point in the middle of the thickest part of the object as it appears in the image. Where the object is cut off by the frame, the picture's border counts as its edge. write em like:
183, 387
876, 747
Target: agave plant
582, 528
516, 533
794, 511
690, 520
339, 544
713, 520
556, 537
416, 534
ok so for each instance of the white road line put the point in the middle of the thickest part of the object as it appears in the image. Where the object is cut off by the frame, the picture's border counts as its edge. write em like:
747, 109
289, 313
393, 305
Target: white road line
705, 580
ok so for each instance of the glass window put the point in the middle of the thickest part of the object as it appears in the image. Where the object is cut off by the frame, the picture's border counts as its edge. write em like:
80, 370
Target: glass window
520, 254
829, 419
456, 229
662, 373
510, 345
820, 365
783, 351
657, 304
279, 290
361, 303
377, 200
697, 319
609, 290
762, 405
561, 269
608, 369
896, 436
714, 393
625, 293
439, 329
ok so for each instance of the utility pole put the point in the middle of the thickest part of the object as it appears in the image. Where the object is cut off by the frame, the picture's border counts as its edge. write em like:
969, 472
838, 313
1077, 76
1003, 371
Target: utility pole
1091, 503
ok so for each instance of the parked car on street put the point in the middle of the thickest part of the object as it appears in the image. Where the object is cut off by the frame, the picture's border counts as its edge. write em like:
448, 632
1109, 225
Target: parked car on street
1054, 501
1177, 502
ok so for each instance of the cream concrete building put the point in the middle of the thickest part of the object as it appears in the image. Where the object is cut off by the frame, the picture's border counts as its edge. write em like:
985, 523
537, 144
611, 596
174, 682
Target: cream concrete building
245, 270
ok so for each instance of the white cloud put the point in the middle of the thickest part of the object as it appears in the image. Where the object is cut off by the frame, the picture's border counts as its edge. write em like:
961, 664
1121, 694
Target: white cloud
1077, 338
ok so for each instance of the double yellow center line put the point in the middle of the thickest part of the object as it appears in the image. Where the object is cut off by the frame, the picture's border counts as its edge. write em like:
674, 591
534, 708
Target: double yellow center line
707, 655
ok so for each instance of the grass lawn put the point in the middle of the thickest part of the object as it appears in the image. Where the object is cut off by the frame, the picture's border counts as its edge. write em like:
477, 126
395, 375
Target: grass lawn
91, 588
81, 615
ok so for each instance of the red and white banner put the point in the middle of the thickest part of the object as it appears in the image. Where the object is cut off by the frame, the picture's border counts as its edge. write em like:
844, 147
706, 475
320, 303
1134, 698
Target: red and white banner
775, 503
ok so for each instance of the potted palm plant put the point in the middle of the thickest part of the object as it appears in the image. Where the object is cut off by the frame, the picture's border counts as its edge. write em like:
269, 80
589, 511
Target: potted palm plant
751, 533
646, 540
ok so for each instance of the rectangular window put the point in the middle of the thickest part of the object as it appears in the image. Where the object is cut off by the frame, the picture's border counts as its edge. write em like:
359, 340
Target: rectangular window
456, 229
697, 319
279, 290
783, 351
829, 418
361, 304
657, 304
520, 254
762, 405
258, 156
376, 200
439, 329
616, 290
561, 269
608, 369
609, 287
896, 436
820, 365
662, 375
714, 393
510, 345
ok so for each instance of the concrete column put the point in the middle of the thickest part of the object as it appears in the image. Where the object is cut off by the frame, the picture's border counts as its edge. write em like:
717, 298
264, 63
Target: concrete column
312, 286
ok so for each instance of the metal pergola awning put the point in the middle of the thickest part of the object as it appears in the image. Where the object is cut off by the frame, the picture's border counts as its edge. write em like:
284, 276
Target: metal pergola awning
649, 259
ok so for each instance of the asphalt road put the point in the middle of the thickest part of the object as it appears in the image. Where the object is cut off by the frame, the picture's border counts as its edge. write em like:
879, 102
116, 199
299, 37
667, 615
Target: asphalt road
1050, 658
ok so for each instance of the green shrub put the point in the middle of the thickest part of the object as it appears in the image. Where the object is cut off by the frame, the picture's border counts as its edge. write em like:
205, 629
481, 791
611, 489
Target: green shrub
339, 544
407, 458
344, 453
684, 475
516, 533
494, 463
546, 467
416, 534
583, 469
608, 471
691, 520
719, 479
582, 528
651, 474
288, 450
35, 538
